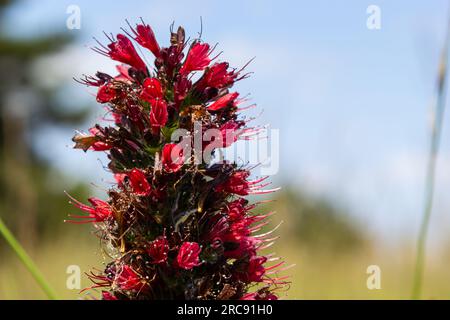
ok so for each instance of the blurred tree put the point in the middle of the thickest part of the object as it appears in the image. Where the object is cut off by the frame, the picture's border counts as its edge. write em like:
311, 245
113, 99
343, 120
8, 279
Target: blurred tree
27, 200
317, 224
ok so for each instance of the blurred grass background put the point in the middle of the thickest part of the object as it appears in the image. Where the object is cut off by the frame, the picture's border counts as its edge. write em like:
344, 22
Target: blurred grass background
330, 247
331, 254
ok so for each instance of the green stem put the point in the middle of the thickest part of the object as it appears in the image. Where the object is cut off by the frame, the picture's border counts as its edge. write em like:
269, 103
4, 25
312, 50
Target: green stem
26, 260
438, 116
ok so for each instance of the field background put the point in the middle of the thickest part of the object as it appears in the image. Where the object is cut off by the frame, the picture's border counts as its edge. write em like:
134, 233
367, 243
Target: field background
330, 262
315, 276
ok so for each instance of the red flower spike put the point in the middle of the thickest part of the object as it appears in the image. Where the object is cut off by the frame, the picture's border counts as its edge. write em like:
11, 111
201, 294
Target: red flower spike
188, 255
172, 157
223, 101
175, 225
197, 58
139, 183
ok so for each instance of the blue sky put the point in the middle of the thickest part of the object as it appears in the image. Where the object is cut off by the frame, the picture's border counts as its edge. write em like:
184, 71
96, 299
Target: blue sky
352, 104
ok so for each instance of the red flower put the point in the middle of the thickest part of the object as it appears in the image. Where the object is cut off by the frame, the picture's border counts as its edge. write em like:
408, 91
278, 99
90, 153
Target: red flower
263, 295
217, 77
157, 250
188, 256
139, 183
218, 228
246, 248
145, 37
181, 88
197, 58
123, 74
238, 184
106, 93
97, 80
98, 145
172, 157
123, 51
230, 132
108, 296
119, 177
116, 117
134, 113
223, 101
249, 296
98, 212
158, 115
239, 229
170, 59
127, 279
151, 90
255, 269
237, 209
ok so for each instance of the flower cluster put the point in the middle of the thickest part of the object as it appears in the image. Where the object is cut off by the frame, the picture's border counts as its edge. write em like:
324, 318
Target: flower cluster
178, 229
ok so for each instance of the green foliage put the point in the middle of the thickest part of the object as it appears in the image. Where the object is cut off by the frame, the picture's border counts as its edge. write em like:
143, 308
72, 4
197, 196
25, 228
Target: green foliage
318, 224
30, 202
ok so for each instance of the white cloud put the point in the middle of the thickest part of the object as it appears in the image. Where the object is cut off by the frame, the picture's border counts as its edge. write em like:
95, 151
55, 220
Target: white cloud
72, 61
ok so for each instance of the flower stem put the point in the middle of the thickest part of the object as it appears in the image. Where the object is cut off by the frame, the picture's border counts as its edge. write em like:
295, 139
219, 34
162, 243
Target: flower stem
26, 260
436, 129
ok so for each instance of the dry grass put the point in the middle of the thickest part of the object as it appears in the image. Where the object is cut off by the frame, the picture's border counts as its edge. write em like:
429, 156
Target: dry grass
335, 276
324, 276
53, 259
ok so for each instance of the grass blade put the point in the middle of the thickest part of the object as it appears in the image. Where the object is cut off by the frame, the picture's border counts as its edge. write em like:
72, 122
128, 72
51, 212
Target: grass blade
436, 129
26, 260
